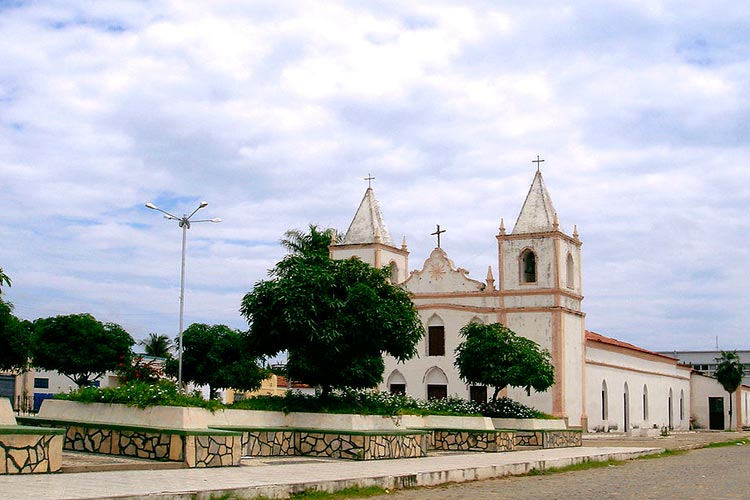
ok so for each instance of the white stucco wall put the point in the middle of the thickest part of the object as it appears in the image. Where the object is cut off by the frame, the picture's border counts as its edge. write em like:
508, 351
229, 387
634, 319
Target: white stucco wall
636, 370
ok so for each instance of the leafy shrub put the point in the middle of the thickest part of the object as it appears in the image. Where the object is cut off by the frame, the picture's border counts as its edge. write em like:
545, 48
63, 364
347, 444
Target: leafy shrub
141, 395
384, 403
363, 402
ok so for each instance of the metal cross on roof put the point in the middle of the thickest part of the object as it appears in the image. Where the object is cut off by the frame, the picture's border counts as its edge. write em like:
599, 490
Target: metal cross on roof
370, 178
437, 233
538, 162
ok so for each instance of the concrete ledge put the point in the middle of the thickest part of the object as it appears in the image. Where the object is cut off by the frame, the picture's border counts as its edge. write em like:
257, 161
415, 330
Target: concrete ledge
177, 417
529, 423
454, 422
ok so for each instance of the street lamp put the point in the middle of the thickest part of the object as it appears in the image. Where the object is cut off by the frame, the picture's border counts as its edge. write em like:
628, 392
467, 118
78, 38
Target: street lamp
184, 222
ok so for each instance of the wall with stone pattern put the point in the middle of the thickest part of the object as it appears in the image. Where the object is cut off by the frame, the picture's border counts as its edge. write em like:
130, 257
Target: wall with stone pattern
29, 453
354, 446
464, 440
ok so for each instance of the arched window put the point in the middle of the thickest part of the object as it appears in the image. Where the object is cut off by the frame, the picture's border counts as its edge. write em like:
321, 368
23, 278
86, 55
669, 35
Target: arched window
626, 408
605, 401
569, 272
437, 383
394, 272
682, 405
435, 336
528, 266
645, 402
396, 383
670, 412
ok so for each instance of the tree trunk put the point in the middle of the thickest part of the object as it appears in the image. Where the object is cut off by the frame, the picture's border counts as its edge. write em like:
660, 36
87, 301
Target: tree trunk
325, 391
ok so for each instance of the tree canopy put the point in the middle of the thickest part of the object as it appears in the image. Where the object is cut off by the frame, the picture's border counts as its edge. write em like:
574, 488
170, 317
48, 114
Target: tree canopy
493, 355
729, 371
79, 347
4, 280
15, 342
335, 318
159, 346
217, 356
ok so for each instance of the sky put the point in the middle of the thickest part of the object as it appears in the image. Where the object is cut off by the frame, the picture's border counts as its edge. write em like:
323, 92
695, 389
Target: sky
275, 112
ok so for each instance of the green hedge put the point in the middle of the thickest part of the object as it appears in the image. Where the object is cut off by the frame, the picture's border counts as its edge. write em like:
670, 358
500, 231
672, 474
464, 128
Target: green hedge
165, 393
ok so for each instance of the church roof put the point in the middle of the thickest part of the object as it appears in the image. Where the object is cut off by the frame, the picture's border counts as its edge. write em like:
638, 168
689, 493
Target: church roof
597, 337
367, 223
537, 214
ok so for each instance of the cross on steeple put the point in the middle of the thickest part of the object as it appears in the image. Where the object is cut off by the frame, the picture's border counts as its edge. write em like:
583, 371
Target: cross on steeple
437, 233
370, 178
538, 162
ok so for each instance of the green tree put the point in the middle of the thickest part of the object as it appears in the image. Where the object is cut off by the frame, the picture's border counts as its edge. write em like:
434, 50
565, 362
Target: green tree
159, 346
4, 280
729, 373
493, 355
217, 356
335, 318
79, 347
15, 342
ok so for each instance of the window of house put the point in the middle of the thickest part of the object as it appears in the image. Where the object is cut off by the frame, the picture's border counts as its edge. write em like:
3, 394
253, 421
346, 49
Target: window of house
41, 383
528, 267
437, 391
478, 393
645, 403
436, 340
398, 388
605, 411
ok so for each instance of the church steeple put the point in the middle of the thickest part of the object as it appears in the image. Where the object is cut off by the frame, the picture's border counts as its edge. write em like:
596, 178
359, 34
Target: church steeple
367, 225
537, 215
369, 240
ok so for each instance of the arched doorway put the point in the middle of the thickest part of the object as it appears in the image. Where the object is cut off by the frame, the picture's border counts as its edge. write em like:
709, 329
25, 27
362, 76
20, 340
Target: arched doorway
437, 383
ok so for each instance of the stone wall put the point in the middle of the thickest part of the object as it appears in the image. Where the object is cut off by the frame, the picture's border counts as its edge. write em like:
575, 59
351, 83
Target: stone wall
335, 444
529, 439
562, 439
194, 448
24, 452
465, 440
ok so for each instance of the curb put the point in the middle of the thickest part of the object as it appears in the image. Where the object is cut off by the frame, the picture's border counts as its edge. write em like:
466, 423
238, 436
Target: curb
395, 482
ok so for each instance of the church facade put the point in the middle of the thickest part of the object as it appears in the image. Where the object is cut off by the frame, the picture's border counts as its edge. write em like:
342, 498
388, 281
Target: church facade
535, 290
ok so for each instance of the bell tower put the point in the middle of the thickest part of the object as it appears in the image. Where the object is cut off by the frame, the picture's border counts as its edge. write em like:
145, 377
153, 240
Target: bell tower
368, 239
540, 293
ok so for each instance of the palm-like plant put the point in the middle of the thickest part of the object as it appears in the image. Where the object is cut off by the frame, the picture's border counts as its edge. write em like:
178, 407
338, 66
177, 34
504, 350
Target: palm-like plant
159, 346
4, 280
313, 243
729, 373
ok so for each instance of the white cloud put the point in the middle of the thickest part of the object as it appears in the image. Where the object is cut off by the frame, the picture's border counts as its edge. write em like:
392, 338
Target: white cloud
274, 113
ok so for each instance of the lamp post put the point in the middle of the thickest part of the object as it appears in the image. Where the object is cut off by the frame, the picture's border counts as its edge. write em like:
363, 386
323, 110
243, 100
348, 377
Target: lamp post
184, 222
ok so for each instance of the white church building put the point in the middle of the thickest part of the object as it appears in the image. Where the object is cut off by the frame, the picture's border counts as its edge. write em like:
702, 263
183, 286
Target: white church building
535, 289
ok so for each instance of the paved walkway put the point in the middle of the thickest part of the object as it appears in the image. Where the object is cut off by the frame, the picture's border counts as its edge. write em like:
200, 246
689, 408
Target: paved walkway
277, 478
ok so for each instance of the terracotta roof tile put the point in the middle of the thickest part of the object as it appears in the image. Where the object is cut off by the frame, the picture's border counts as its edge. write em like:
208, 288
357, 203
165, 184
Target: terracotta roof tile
596, 337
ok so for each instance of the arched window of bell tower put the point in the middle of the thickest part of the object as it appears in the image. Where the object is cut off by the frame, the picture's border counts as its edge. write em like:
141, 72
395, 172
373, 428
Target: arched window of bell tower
570, 271
528, 266
394, 272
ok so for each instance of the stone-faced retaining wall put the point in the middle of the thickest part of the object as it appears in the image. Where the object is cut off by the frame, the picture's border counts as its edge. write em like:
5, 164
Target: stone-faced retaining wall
209, 448
562, 439
548, 438
25, 450
466, 440
373, 445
